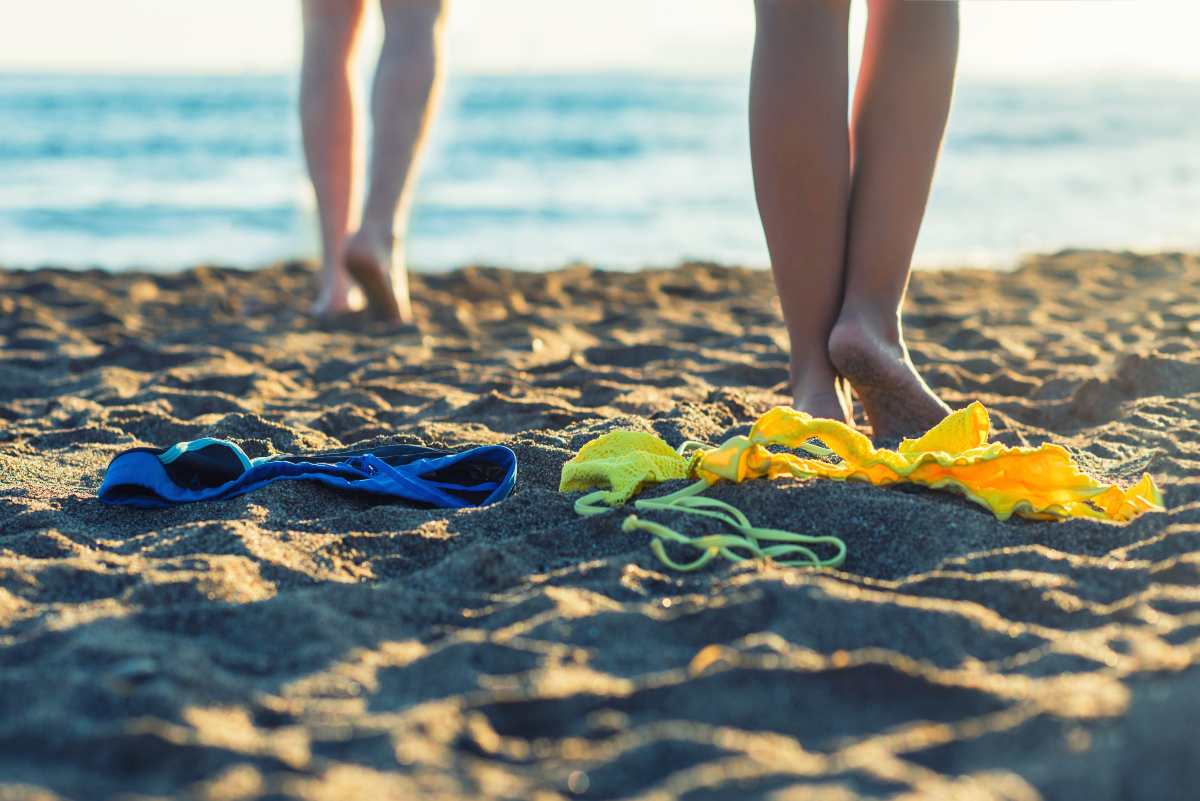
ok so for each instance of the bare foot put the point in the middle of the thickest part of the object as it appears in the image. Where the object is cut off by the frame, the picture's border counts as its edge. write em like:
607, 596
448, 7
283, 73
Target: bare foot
826, 397
826, 405
370, 260
336, 296
898, 401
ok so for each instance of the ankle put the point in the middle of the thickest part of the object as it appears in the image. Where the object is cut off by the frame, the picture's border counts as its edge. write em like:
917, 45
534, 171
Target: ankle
378, 238
878, 323
332, 268
811, 378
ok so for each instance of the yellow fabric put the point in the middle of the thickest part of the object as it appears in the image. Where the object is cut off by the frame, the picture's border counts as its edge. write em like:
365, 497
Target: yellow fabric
621, 463
1041, 483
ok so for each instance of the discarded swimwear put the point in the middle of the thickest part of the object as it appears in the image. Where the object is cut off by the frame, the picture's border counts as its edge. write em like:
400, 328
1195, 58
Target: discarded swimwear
215, 469
1042, 483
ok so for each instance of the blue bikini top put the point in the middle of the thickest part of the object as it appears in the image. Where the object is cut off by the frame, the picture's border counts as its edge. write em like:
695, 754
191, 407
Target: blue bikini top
215, 469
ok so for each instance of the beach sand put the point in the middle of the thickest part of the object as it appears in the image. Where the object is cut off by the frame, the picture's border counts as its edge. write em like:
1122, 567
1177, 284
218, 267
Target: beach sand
300, 643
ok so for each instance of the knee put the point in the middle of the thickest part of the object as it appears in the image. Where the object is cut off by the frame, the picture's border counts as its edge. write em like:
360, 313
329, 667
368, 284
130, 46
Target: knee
913, 13
330, 27
785, 22
412, 34
801, 7
406, 16
332, 14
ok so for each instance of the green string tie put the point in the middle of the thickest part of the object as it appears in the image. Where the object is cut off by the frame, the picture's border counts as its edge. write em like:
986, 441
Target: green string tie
750, 542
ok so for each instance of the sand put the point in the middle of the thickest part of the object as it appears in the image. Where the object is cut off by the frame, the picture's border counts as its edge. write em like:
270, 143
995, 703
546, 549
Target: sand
299, 643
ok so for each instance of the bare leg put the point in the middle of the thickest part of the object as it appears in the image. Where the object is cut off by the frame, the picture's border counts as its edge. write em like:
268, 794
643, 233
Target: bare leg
900, 109
405, 88
800, 150
327, 120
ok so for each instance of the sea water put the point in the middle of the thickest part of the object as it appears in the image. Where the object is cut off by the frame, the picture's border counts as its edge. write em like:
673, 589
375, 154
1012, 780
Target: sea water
538, 171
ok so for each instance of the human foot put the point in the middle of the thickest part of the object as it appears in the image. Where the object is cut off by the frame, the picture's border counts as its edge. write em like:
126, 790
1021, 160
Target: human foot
827, 398
876, 363
370, 261
826, 405
336, 295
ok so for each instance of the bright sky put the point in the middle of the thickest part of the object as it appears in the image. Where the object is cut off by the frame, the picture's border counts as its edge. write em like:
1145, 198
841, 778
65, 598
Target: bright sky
1006, 38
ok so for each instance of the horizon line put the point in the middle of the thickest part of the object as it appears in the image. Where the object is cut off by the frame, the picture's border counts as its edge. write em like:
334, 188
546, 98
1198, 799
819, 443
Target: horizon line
1114, 73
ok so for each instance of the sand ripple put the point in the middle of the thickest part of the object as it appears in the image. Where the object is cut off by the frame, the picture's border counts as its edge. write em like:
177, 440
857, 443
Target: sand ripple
299, 643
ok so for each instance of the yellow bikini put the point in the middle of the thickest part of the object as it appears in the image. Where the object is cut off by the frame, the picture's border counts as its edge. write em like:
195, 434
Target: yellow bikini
1042, 483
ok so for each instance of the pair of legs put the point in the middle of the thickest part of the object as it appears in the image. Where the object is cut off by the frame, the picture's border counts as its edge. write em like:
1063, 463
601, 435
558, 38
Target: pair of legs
841, 203
362, 246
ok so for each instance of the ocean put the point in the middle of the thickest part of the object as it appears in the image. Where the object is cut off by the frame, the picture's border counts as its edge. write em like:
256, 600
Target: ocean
538, 171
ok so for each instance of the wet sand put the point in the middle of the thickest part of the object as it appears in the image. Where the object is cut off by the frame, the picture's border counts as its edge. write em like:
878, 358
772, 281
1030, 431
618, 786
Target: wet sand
300, 643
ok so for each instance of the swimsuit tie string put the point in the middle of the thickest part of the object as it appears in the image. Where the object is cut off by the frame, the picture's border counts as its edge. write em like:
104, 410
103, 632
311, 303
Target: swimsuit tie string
785, 548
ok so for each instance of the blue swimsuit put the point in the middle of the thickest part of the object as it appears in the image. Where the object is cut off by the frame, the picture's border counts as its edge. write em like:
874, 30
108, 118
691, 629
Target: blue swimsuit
214, 469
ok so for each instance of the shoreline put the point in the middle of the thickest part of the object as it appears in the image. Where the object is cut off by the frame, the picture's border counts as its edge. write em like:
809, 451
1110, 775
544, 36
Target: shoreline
951, 264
